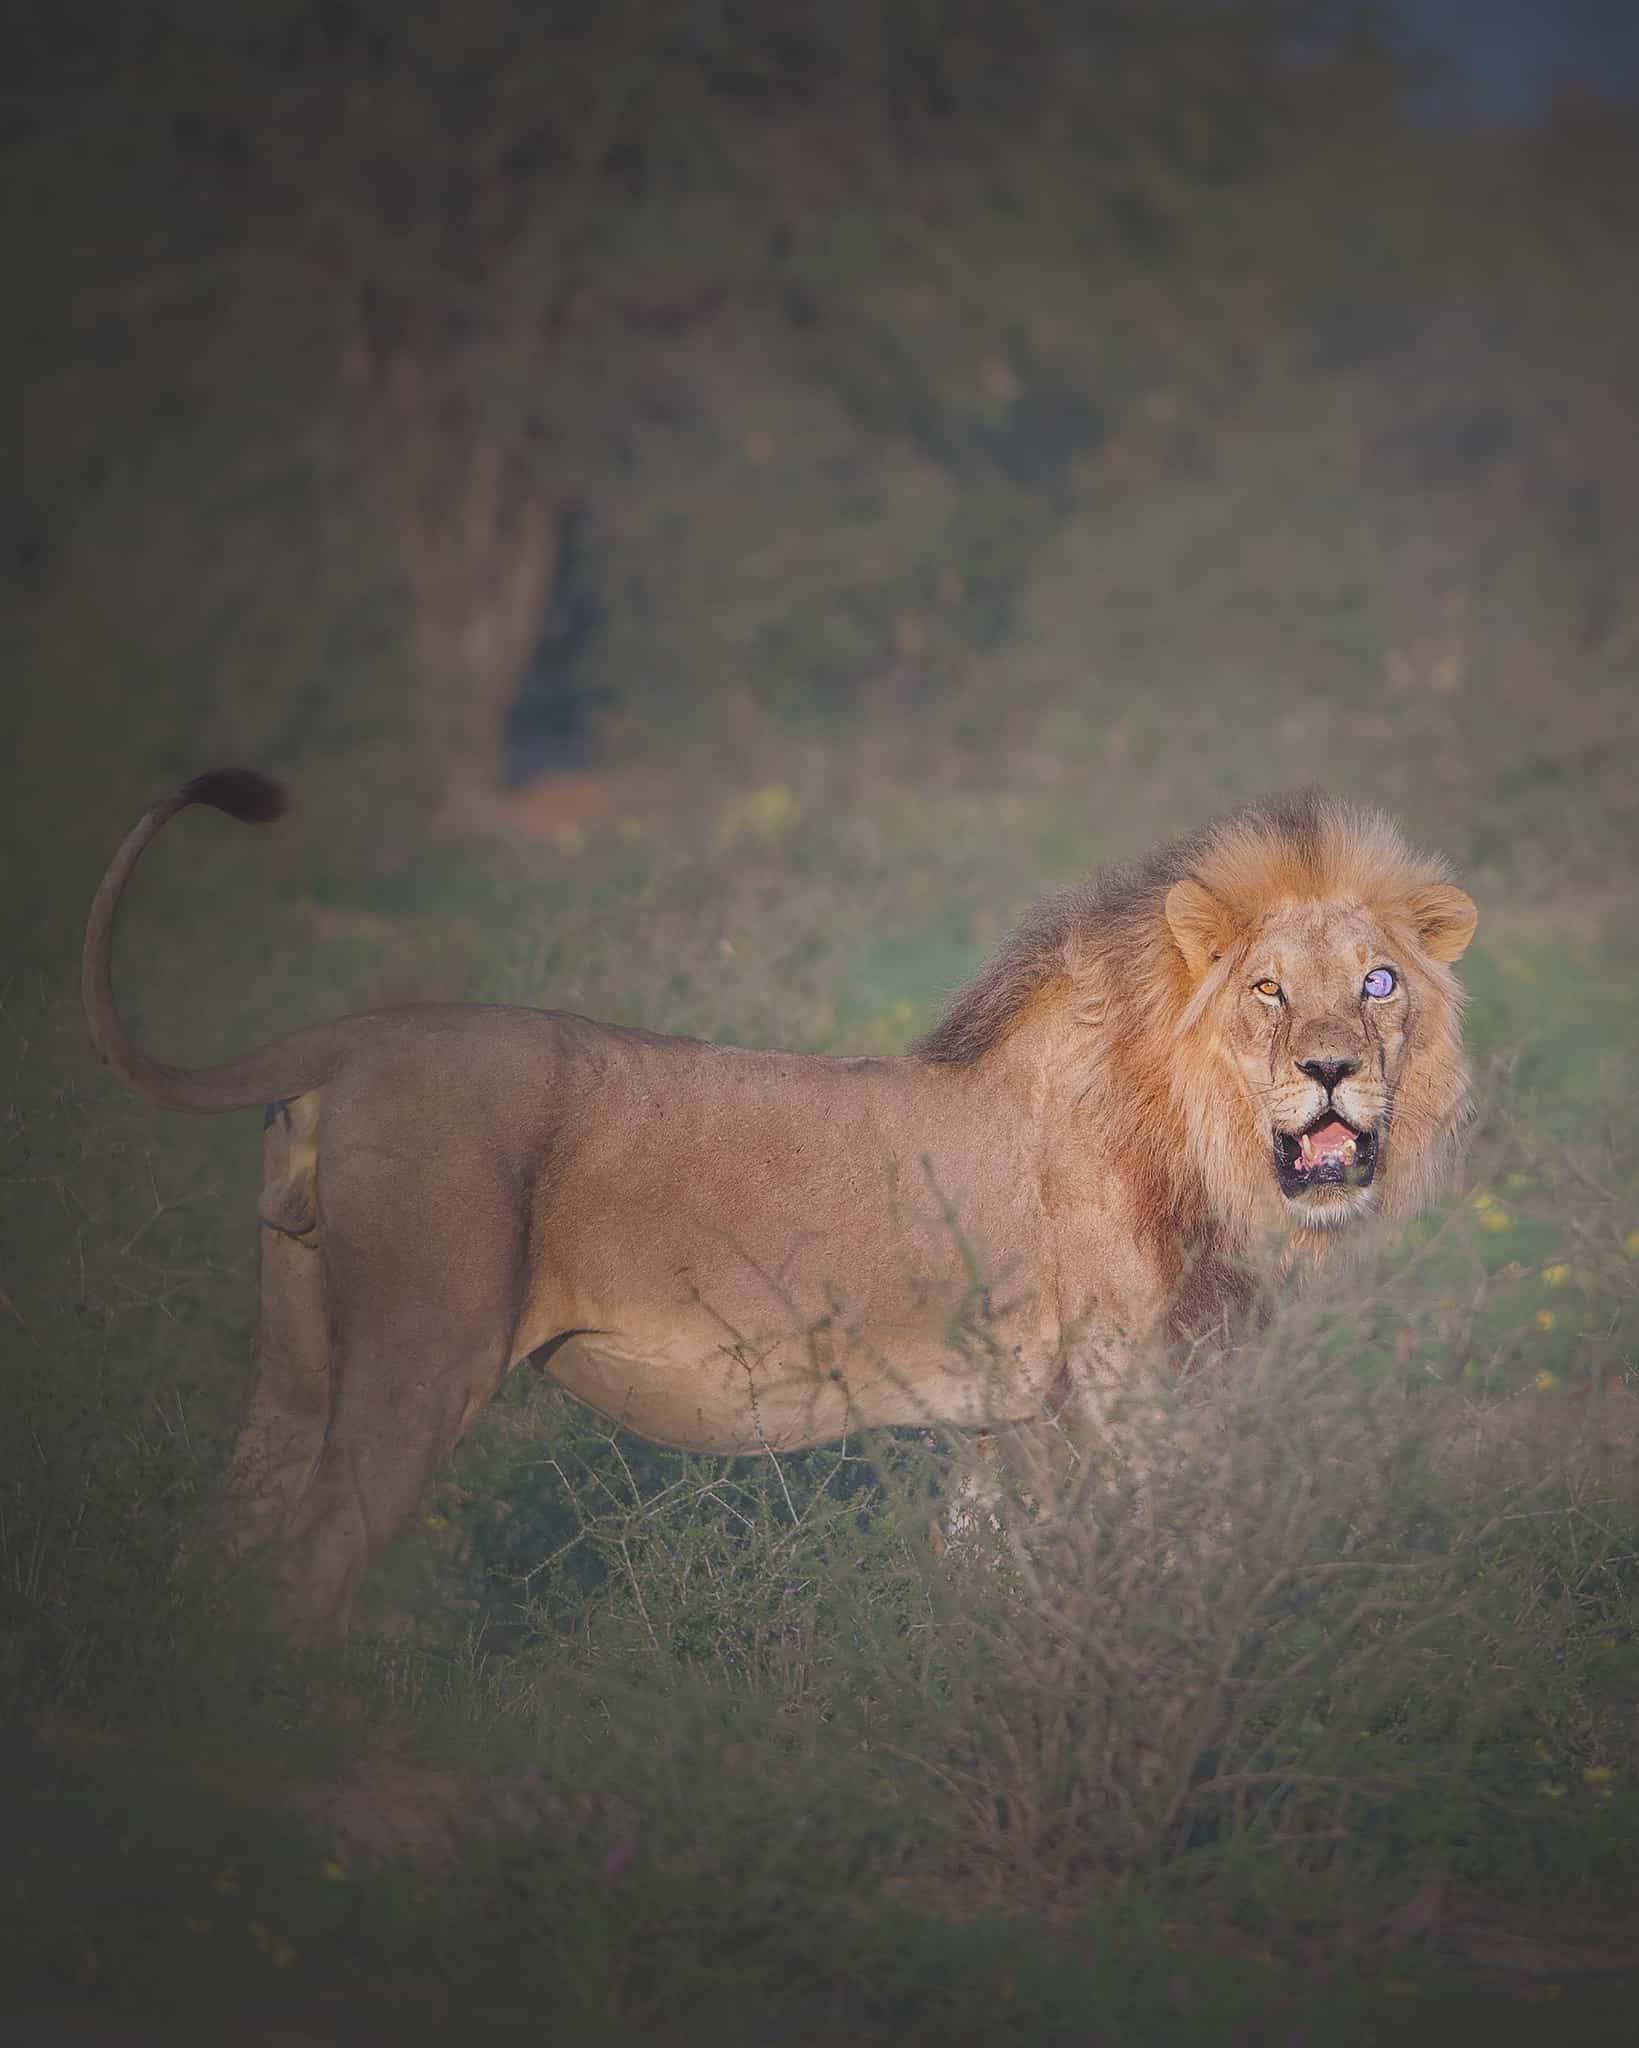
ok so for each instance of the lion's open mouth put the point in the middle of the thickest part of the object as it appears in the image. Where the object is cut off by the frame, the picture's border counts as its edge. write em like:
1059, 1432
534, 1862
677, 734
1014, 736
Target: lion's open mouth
1328, 1153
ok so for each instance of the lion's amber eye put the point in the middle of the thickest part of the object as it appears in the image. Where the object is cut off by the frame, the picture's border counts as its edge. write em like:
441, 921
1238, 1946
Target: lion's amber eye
1268, 988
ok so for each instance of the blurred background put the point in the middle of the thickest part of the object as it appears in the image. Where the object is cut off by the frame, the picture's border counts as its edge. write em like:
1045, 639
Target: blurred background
1184, 397
713, 506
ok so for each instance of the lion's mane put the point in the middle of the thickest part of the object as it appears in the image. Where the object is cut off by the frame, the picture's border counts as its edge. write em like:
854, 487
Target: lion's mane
1102, 956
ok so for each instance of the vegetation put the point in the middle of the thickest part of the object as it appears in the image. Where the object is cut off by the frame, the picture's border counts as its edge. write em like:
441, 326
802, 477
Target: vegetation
881, 463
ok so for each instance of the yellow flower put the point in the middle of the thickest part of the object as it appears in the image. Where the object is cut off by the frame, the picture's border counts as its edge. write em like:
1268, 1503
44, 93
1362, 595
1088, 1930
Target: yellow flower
1494, 1217
1547, 1789
767, 813
1555, 1276
1546, 1319
772, 807
1631, 1244
332, 1872
1482, 1199
1546, 1381
227, 1880
1598, 1774
277, 1950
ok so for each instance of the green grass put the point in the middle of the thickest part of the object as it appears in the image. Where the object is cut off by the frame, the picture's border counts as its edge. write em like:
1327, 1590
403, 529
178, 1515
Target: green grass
686, 1731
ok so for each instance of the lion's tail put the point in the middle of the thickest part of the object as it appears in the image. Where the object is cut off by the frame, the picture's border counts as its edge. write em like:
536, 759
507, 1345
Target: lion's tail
269, 1074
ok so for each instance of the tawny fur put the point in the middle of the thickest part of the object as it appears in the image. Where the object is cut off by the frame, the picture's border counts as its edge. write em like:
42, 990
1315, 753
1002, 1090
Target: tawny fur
740, 1251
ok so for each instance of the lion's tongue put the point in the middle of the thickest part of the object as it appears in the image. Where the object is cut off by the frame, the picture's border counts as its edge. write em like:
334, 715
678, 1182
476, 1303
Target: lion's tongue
1328, 1141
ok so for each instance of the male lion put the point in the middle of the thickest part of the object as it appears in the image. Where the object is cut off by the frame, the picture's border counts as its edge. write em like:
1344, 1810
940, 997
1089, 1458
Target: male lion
1253, 1031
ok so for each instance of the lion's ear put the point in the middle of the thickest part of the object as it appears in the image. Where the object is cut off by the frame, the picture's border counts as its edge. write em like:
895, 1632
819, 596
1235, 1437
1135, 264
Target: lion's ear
1445, 918
1199, 924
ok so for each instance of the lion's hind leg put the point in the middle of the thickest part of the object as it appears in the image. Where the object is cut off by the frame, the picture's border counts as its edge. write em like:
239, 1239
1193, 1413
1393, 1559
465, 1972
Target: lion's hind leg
278, 1448
401, 1404
422, 1320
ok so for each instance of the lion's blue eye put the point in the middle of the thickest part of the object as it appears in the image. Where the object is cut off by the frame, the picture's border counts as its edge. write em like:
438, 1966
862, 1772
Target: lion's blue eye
1380, 982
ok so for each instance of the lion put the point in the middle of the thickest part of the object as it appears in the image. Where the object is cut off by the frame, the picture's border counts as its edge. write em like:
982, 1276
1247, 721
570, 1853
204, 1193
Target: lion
1249, 1039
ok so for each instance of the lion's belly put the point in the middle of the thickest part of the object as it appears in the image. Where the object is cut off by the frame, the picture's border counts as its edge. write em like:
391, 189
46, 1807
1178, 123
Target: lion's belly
680, 1387
776, 1251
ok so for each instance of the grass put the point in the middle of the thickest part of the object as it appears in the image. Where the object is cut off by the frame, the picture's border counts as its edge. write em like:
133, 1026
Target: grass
626, 1735
952, 532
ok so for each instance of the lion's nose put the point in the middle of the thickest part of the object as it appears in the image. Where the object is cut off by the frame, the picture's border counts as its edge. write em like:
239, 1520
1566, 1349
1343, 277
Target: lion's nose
1328, 1072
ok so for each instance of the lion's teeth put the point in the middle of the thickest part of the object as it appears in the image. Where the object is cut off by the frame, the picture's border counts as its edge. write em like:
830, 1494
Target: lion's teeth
1348, 1151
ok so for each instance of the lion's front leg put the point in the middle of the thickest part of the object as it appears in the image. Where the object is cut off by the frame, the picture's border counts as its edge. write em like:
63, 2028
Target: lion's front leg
1028, 1468
1108, 1419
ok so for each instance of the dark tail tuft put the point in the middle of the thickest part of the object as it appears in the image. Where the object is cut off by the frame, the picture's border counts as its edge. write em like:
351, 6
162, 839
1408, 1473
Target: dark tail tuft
251, 798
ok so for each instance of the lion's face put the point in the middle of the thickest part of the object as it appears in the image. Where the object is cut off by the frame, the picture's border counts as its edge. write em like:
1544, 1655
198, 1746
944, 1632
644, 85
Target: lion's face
1318, 1030
1337, 1025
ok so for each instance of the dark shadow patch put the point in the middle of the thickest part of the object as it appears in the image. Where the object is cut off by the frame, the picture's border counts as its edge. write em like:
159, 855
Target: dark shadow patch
552, 722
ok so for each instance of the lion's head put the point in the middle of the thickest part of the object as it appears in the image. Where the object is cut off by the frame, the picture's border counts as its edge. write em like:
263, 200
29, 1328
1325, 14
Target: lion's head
1264, 1016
